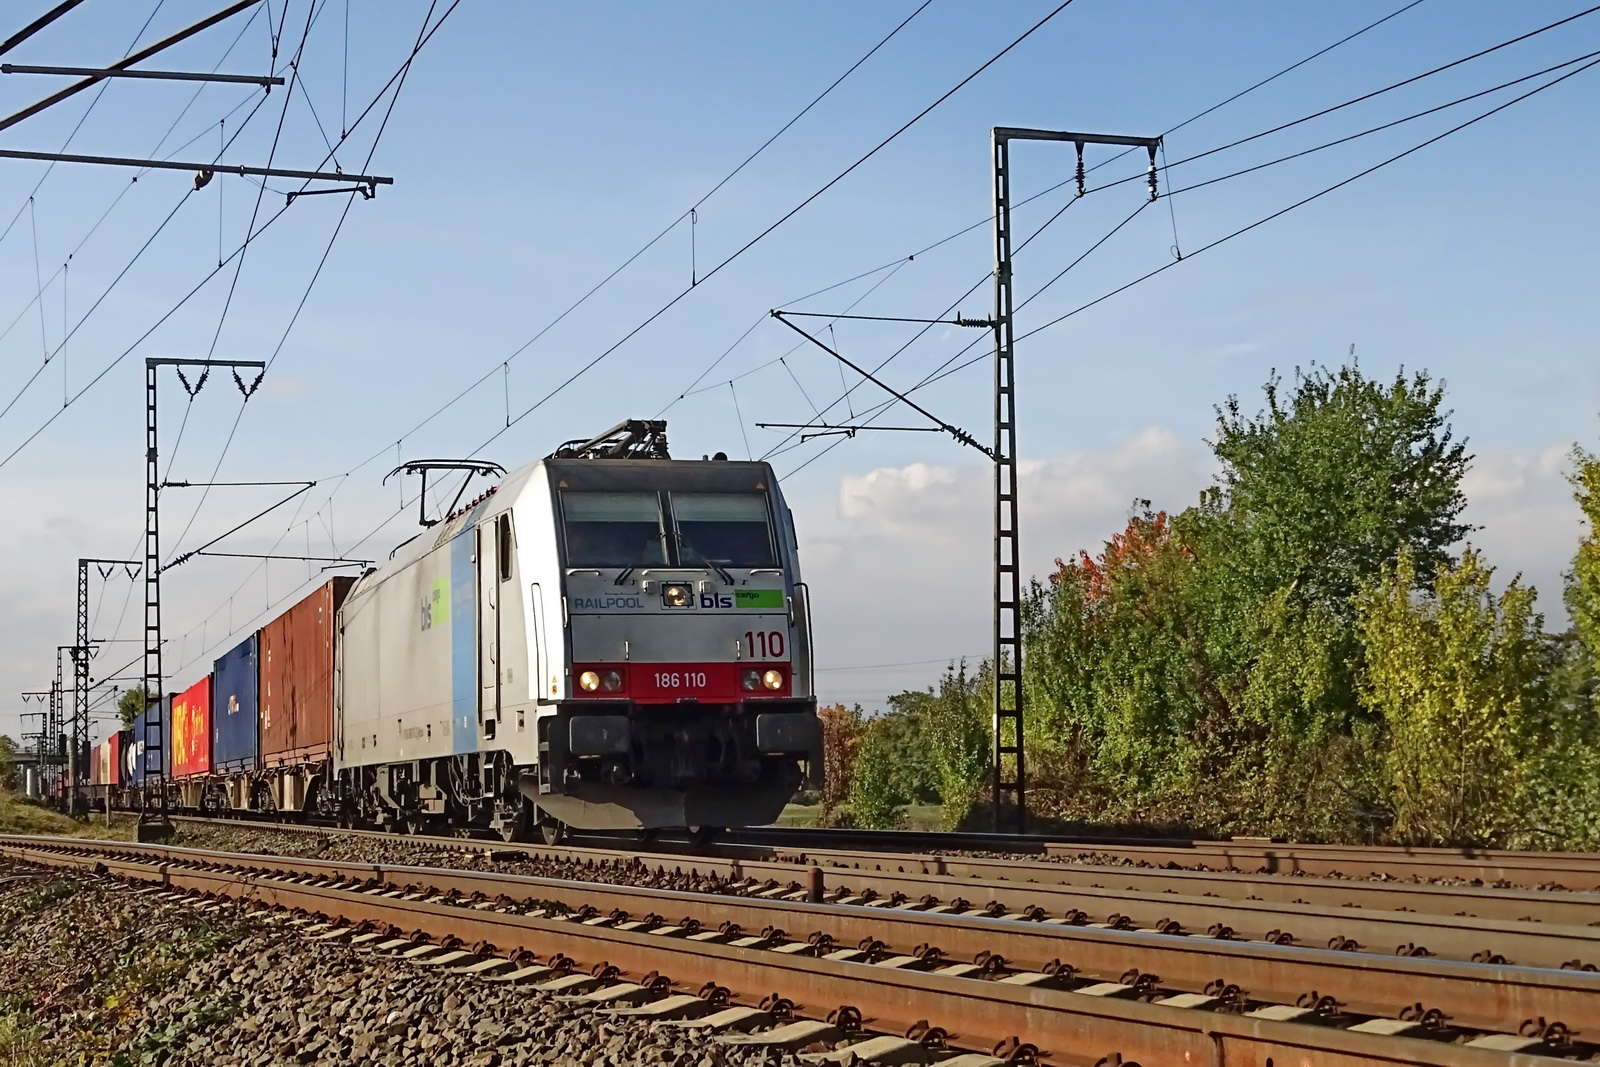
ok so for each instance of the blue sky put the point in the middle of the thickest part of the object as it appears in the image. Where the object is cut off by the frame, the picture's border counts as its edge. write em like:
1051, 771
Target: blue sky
535, 147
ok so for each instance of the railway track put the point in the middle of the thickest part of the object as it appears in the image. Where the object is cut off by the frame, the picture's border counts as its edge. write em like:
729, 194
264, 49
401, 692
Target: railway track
1043, 859
1080, 993
1568, 869
1468, 924
984, 855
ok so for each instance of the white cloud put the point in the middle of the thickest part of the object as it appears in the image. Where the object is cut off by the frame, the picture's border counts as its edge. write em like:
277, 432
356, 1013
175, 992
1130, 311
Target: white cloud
902, 570
1530, 523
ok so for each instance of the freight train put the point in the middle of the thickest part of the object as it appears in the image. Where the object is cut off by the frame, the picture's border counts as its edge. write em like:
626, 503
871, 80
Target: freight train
608, 639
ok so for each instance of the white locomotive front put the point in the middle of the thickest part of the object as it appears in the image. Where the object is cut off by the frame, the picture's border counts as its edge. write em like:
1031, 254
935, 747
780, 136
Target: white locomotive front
611, 639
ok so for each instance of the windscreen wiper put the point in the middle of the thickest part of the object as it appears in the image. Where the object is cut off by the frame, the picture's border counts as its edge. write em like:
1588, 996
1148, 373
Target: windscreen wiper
724, 575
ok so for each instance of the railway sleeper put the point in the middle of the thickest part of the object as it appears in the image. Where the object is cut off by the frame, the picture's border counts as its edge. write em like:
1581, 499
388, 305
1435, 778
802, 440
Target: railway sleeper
1534, 1035
885, 1049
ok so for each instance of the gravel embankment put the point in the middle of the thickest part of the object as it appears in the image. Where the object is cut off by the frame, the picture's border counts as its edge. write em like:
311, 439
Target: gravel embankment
91, 972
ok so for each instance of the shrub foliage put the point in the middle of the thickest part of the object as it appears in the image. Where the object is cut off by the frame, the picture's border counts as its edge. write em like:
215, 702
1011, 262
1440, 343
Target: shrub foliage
1307, 650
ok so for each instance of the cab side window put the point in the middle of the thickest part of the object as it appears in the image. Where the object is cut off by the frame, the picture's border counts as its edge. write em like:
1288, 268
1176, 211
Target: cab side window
503, 545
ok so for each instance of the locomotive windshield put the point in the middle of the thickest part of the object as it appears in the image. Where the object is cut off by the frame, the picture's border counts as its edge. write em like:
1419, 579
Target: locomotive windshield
627, 529
614, 530
731, 529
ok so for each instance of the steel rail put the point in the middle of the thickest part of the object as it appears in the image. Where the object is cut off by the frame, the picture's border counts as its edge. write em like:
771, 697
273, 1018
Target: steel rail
1478, 995
1580, 870
1514, 867
1364, 931
1531, 868
1527, 928
1068, 1026
1564, 906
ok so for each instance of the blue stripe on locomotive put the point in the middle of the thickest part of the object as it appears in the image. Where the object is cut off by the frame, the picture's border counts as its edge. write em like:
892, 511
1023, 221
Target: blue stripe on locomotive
463, 642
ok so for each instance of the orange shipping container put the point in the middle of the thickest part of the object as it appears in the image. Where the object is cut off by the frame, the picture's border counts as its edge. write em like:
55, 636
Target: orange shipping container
191, 730
297, 678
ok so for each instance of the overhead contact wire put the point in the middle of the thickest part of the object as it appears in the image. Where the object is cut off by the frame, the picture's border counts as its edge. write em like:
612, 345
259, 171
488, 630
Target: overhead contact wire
321, 263
653, 241
422, 35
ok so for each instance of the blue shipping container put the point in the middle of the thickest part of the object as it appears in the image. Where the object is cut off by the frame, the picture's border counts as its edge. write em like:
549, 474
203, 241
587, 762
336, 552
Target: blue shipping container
234, 704
140, 760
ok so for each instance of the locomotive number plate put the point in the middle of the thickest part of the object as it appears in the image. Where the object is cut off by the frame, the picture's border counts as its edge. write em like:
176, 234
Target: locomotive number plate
716, 682
679, 679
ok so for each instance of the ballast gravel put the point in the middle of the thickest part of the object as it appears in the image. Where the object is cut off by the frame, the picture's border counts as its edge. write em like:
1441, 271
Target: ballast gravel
292, 1003
94, 972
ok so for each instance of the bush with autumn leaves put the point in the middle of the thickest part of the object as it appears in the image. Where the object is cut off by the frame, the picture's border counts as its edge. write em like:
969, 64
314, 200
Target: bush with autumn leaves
1313, 649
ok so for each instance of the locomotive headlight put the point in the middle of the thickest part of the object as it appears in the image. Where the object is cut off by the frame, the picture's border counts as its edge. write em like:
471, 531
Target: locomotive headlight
772, 679
677, 595
611, 681
588, 681
750, 679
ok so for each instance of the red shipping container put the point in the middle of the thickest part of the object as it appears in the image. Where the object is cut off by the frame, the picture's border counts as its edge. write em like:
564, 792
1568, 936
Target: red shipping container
191, 730
296, 663
106, 766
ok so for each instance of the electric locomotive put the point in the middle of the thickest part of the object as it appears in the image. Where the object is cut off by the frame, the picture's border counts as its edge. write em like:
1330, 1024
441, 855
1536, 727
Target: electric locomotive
608, 639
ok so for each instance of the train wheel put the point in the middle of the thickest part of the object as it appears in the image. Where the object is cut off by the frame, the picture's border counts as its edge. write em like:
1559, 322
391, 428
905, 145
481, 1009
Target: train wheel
513, 821
516, 827
703, 835
553, 832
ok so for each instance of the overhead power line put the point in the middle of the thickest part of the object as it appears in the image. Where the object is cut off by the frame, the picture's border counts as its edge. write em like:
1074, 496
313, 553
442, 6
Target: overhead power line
423, 35
791, 213
1028, 200
651, 243
941, 372
1260, 222
378, 98
123, 192
1320, 193
395, 82
1370, 96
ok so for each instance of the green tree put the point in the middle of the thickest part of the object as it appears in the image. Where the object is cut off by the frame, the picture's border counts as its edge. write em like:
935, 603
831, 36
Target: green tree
1583, 582
875, 798
1117, 670
131, 707
1460, 678
1201, 669
906, 738
8, 763
1318, 492
1334, 477
956, 728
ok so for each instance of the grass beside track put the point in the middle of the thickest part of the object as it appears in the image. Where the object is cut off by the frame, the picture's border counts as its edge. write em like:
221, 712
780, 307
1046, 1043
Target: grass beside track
19, 815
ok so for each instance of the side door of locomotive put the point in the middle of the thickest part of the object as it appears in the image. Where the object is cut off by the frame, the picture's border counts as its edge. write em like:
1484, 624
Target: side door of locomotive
495, 569
486, 555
